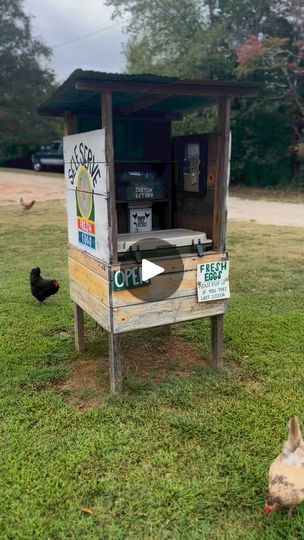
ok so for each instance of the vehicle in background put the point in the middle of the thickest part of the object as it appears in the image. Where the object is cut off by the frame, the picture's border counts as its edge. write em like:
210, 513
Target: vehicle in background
48, 156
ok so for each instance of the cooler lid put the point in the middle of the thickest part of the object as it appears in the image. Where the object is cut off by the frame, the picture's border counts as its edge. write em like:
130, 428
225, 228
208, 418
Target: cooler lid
176, 237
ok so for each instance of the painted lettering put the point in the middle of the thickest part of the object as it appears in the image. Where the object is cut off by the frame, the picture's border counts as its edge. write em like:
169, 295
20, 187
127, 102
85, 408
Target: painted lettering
119, 279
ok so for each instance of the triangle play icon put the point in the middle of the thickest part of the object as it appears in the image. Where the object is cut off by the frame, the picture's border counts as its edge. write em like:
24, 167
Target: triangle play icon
150, 270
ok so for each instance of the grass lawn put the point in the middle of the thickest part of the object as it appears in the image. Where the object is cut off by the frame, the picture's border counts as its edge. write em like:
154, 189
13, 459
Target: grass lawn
183, 458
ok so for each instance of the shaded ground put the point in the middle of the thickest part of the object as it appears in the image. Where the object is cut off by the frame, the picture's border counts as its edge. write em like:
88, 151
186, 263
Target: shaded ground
145, 361
45, 186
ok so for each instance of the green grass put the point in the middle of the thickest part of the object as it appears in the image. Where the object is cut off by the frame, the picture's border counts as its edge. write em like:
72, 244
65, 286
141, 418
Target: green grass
187, 458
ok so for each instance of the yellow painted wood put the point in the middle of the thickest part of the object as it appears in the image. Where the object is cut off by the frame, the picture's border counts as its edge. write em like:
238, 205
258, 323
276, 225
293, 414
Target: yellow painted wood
140, 316
89, 262
90, 281
91, 305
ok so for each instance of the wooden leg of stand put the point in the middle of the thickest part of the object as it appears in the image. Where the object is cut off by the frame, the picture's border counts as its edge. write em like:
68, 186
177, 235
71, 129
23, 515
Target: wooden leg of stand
79, 328
217, 337
115, 363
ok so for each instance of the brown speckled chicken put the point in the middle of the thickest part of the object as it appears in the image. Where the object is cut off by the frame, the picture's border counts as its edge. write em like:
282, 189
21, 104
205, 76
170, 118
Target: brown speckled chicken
286, 473
26, 206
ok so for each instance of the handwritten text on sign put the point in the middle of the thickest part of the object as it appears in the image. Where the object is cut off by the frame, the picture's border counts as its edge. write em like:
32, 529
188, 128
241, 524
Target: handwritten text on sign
213, 281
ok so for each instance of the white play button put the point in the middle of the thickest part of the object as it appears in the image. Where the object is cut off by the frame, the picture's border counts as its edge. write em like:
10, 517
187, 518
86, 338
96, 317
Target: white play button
150, 270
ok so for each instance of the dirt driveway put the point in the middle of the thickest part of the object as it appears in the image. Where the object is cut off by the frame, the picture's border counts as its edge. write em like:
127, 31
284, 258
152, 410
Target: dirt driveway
44, 187
266, 212
29, 185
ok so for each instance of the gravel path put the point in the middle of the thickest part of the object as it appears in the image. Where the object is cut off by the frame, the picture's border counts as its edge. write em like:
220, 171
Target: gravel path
267, 212
45, 187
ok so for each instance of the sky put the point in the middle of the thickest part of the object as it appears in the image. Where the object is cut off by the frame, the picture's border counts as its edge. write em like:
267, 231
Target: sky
58, 21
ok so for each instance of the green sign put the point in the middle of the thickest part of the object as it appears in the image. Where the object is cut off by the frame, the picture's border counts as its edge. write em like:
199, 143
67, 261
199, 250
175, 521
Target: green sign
129, 278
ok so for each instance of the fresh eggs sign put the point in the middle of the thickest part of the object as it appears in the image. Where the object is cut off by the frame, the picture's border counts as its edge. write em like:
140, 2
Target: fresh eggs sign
86, 192
213, 281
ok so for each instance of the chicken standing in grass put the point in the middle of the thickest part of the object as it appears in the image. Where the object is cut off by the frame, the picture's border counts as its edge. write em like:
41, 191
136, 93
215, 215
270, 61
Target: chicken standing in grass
286, 473
26, 206
42, 288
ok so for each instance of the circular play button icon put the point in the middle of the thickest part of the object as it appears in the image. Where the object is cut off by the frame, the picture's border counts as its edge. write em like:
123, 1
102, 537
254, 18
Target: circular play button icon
152, 270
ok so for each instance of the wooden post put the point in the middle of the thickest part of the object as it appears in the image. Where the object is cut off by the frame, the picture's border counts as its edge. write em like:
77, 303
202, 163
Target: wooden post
70, 127
69, 124
79, 328
221, 186
220, 215
114, 340
107, 125
115, 363
217, 337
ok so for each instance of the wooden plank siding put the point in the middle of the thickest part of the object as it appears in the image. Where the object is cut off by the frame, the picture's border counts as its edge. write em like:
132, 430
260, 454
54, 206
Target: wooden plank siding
95, 285
100, 312
89, 261
119, 311
185, 283
172, 264
173, 310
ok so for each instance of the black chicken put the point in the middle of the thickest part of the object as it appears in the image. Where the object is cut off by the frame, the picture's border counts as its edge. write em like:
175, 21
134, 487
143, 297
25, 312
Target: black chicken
42, 288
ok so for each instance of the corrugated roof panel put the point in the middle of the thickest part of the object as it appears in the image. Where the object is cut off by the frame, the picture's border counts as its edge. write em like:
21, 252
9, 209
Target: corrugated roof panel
68, 98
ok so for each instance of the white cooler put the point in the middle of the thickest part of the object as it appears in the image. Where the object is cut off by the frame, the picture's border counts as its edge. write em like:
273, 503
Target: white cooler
180, 238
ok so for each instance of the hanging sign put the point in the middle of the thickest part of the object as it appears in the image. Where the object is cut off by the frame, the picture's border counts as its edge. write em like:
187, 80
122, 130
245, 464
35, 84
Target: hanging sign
213, 281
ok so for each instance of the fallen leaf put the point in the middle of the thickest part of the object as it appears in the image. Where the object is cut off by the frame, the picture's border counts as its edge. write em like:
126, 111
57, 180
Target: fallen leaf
87, 511
246, 356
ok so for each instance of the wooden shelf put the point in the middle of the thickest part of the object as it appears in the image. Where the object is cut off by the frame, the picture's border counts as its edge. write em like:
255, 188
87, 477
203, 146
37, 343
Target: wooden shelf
132, 161
134, 201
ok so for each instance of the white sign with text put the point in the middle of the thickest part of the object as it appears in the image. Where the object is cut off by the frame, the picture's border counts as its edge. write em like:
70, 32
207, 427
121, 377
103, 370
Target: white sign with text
87, 193
213, 281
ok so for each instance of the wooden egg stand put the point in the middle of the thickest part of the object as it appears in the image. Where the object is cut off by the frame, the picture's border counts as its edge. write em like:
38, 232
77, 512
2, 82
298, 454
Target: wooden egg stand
91, 278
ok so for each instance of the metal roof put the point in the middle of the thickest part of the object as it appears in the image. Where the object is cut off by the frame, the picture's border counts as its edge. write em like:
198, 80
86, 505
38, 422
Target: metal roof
80, 93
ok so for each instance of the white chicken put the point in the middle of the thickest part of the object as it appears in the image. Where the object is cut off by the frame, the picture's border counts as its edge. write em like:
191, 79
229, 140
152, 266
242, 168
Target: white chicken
286, 473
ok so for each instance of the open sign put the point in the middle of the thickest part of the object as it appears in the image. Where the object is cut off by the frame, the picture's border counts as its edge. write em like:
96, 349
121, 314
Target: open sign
129, 278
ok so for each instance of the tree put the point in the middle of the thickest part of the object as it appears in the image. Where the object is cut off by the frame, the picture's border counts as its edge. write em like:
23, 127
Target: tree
193, 37
25, 82
204, 39
169, 37
281, 62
